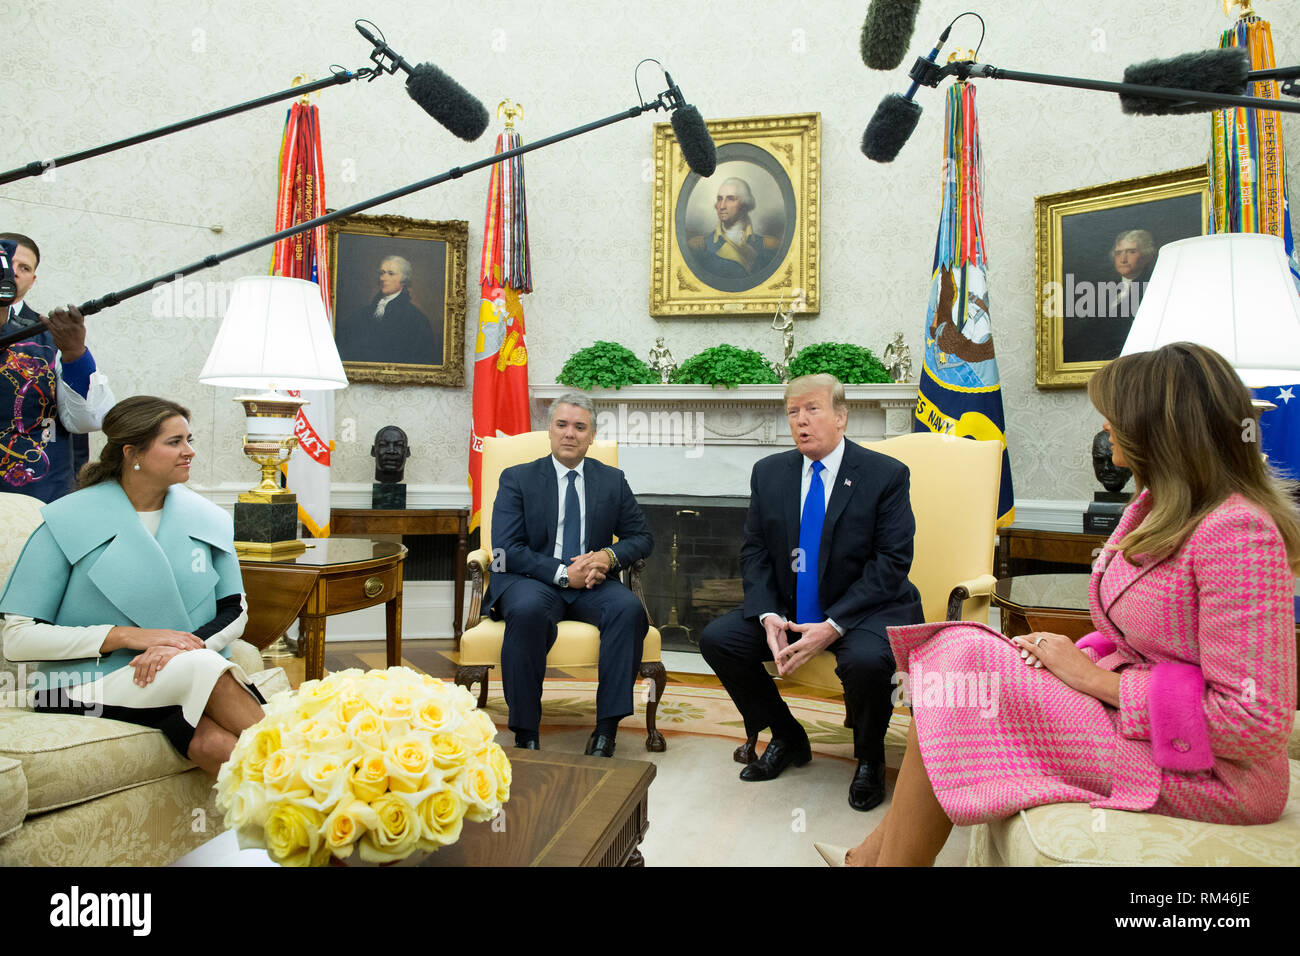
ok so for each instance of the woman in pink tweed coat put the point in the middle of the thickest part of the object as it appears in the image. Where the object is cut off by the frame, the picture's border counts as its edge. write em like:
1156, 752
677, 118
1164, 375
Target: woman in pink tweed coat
1181, 701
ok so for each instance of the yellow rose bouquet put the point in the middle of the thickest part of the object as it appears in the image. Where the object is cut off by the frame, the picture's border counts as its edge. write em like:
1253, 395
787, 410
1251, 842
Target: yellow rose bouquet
390, 762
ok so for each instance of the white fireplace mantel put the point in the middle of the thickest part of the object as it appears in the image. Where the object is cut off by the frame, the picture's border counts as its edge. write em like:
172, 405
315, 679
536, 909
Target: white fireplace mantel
701, 440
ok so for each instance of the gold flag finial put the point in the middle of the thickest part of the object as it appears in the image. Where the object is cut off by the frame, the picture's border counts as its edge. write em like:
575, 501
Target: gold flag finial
1245, 5
511, 111
298, 80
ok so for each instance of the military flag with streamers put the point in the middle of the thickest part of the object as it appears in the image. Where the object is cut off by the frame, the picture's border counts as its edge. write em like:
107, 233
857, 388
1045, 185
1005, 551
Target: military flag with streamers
500, 351
1248, 191
304, 256
960, 392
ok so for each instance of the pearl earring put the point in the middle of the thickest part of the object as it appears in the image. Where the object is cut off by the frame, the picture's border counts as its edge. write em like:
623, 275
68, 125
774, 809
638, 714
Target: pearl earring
137, 466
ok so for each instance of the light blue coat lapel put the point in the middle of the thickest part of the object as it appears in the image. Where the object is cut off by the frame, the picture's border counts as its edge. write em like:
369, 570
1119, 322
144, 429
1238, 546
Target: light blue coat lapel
153, 582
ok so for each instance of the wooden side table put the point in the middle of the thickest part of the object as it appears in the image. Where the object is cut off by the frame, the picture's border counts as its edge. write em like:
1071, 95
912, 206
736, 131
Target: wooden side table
368, 521
1020, 549
333, 576
1057, 603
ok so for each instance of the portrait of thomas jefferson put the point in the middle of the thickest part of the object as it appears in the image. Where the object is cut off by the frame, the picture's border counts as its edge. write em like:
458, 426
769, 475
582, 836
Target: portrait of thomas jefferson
1107, 257
390, 327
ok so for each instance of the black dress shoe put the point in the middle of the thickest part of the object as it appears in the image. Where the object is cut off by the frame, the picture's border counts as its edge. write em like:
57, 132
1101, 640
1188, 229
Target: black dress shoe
778, 755
529, 745
867, 791
599, 745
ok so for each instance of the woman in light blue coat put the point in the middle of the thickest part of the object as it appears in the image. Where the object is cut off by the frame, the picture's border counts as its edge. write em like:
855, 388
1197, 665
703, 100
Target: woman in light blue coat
129, 594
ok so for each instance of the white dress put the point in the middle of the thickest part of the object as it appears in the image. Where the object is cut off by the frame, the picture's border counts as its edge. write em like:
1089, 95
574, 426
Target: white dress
185, 681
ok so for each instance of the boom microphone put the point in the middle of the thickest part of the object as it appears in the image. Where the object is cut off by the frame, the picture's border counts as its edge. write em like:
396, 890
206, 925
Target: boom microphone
1207, 71
896, 117
891, 125
887, 31
437, 93
692, 133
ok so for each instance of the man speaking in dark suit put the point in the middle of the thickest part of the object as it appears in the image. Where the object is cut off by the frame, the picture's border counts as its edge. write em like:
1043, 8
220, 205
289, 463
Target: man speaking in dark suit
827, 549
554, 558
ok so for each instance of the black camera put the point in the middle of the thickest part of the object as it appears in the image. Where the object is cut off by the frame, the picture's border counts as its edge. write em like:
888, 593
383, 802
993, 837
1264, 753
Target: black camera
8, 284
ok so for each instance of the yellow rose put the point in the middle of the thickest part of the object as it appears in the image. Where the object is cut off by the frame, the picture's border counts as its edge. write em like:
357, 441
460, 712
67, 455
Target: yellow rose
478, 787
247, 807
281, 772
343, 827
369, 776
478, 729
349, 706
293, 836
408, 759
367, 729
315, 695
264, 742
442, 814
449, 752
436, 714
397, 708
325, 736
327, 775
462, 699
499, 763
397, 831
229, 779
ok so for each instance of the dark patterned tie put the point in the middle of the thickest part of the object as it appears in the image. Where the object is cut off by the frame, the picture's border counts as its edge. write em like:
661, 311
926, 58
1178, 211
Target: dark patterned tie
572, 521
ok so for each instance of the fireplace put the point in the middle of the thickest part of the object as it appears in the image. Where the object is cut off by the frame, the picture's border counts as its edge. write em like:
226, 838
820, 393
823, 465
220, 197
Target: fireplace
693, 576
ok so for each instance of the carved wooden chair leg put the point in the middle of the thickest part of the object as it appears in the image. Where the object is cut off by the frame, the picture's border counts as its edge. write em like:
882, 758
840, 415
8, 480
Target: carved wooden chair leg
745, 752
654, 670
468, 674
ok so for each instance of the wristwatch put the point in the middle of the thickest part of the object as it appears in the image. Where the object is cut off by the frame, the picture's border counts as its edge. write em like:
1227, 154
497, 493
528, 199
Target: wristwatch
564, 578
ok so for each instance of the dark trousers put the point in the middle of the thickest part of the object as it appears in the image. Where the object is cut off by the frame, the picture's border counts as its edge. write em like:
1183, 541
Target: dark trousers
532, 610
736, 647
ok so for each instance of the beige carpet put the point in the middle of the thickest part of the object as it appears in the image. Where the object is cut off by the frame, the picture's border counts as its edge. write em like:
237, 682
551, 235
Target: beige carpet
701, 812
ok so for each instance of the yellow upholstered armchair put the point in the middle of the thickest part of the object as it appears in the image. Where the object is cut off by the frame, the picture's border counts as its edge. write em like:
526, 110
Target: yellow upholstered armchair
576, 644
954, 488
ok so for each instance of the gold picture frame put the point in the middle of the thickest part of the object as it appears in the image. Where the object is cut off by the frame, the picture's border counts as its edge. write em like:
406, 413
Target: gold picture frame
1094, 252
418, 337
694, 269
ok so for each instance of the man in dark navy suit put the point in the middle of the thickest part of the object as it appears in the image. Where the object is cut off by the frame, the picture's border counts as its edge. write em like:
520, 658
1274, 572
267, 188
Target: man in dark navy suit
554, 558
827, 550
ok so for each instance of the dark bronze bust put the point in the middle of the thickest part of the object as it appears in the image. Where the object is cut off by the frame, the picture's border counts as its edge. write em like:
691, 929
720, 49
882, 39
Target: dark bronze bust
390, 451
1112, 477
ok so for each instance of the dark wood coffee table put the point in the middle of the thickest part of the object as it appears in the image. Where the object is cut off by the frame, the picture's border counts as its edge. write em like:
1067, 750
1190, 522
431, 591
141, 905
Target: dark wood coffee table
564, 810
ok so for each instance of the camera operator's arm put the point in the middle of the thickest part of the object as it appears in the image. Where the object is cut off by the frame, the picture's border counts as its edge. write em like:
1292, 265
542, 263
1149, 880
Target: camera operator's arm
83, 396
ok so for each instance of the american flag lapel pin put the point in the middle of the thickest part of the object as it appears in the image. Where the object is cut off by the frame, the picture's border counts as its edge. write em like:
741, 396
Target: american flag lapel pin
848, 483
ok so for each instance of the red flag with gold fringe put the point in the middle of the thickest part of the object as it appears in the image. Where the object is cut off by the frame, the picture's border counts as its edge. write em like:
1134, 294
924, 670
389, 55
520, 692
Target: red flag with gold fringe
500, 351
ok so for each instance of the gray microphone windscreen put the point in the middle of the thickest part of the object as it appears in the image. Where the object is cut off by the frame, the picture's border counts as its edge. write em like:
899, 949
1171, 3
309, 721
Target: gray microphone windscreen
1208, 71
447, 101
887, 31
892, 123
693, 137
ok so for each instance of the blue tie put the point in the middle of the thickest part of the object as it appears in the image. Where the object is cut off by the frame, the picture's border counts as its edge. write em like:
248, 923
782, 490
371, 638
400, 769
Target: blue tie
808, 606
572, 521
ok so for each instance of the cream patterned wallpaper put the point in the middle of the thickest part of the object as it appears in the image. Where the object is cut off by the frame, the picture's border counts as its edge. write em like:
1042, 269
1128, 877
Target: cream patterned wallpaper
82, 73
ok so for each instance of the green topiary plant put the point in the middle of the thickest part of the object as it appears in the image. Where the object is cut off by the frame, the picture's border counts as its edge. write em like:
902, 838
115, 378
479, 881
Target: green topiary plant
728, 366
605, 365
851, 364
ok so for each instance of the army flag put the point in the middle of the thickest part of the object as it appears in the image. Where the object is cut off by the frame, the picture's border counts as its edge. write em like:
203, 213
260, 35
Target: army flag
304, 256
960, 393
500, 351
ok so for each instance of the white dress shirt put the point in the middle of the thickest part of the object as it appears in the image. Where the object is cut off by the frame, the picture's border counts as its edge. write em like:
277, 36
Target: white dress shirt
831, 468
561, 473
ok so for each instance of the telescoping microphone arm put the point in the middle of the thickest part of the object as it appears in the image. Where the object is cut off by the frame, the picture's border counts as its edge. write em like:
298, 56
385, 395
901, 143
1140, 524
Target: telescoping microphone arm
664, 101
37, 167
929, 74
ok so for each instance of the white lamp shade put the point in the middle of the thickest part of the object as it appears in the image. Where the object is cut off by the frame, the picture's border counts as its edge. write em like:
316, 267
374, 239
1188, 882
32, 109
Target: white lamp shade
275, 335
1231, 292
